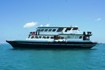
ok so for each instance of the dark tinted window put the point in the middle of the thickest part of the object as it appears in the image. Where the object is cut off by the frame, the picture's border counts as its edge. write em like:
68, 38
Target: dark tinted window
59, 29
46, 29
50, 29
52, 37
42, 30
68, 29
75, 28
54, 30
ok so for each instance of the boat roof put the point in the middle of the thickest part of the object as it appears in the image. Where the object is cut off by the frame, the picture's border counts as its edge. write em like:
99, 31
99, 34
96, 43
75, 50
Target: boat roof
60, 27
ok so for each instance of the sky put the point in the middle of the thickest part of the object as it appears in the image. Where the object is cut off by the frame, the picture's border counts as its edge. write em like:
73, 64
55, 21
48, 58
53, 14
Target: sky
19, 17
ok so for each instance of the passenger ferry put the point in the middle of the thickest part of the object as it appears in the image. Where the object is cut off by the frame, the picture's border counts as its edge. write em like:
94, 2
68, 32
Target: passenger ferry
55, 37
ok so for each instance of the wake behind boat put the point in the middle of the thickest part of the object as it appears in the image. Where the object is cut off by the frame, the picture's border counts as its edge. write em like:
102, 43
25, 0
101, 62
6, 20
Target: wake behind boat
55, 37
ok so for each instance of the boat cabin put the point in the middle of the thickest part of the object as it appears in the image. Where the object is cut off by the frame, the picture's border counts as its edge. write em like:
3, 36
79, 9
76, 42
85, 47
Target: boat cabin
59, 33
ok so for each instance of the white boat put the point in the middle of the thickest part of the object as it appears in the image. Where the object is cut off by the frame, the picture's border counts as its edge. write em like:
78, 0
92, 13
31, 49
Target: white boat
55, 37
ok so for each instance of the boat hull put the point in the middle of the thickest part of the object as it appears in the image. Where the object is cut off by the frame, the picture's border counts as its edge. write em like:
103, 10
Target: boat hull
48, 45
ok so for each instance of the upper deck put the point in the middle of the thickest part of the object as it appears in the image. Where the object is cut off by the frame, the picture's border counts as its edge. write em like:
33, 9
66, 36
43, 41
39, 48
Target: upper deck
59, 33
57, 30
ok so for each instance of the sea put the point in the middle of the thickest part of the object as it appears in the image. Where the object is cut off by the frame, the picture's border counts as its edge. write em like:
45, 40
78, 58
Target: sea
52, 59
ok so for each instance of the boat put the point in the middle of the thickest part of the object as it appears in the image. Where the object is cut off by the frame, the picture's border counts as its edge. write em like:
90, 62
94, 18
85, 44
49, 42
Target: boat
55, 37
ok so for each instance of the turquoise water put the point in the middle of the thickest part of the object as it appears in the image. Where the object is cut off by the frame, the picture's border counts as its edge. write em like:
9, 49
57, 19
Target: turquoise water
32, 59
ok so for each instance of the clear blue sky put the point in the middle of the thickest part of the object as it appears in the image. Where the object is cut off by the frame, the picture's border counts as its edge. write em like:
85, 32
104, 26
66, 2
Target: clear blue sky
89, 15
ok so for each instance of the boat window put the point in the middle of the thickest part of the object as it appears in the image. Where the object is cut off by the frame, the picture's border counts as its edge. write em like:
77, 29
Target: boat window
75, 28
39, 36
50, 29
46, 29
47, 37
32, 36
62, 37
68, 29
36, 36
59, 29
54, 30
80, 37
52, 37
44, 36
42, 30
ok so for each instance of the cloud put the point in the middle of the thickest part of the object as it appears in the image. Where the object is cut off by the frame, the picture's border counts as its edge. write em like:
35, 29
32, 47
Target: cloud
30, 24
99, 19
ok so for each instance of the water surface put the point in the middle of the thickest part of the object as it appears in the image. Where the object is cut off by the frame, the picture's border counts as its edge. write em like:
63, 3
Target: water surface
34, 59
